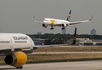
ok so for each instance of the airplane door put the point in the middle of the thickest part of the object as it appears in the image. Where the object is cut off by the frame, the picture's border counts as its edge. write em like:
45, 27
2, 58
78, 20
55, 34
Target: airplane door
4, 42
11, 46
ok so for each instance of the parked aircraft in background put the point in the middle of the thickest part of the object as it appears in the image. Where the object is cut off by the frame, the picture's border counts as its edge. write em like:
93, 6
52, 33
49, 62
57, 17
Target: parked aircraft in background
59, 22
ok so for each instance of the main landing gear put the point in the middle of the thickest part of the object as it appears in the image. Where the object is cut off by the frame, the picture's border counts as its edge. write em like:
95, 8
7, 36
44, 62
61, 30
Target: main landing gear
63, 28
21, 67
51, 28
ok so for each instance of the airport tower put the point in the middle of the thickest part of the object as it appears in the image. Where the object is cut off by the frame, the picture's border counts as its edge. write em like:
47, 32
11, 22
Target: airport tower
64, 31
39, 33
93, 32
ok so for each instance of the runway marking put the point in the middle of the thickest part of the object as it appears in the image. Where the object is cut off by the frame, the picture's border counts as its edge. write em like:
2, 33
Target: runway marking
65, 52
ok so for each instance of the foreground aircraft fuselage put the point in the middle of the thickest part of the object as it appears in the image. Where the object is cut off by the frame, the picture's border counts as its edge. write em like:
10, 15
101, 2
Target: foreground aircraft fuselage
13, 45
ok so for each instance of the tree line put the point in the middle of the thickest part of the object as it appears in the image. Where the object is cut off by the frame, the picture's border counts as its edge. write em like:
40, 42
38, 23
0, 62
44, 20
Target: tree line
63, 36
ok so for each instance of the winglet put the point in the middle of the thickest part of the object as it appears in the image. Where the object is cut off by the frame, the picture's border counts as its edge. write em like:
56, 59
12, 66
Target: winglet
69, 15
91, 18
74, 39
33, 18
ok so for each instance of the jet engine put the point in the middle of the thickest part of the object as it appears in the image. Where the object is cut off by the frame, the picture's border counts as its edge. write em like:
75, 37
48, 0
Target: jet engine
63, 25
17, 59
44, 25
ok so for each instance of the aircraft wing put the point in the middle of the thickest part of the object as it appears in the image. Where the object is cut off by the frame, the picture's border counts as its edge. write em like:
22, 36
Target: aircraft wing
78, 22
36, 20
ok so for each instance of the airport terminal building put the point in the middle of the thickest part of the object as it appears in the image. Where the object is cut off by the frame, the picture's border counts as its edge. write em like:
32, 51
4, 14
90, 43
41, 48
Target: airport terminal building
79, 41
86, 41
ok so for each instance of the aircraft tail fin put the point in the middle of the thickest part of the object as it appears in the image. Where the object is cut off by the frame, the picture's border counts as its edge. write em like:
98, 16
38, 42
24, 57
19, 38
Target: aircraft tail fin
69, 16
74, 39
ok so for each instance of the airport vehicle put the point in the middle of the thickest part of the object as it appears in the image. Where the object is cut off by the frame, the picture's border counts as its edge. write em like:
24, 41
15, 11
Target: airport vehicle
59, 22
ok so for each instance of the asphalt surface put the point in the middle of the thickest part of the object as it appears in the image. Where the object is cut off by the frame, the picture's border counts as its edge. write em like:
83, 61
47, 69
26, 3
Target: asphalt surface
82, 65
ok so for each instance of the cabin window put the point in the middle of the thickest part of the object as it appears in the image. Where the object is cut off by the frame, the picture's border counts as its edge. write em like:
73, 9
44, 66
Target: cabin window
4, 41
20, 41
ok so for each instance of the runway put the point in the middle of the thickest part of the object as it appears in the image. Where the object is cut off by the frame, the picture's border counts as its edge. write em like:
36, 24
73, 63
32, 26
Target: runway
82, 65
66, 52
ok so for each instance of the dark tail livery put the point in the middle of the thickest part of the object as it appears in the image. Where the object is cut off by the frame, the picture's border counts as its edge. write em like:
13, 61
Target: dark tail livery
74, 39
69, 15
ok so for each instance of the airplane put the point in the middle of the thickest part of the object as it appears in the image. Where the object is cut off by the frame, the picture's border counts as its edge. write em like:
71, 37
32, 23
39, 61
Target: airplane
13, 46
59, 22
16, 47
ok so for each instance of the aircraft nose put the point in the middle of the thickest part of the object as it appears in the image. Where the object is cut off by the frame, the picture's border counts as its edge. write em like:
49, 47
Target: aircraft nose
44, 21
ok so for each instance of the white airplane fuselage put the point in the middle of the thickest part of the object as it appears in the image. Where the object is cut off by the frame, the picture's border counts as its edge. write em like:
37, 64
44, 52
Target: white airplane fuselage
13, 45
14, 40
54, 22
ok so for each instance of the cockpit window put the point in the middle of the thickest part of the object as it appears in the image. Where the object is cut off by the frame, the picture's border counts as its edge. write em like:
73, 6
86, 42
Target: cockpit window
4, 41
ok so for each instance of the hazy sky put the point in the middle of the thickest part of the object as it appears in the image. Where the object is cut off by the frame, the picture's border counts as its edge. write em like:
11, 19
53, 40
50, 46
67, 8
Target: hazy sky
16, 15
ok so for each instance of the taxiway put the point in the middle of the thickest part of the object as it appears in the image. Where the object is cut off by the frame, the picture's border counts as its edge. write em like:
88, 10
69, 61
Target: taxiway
82, 65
